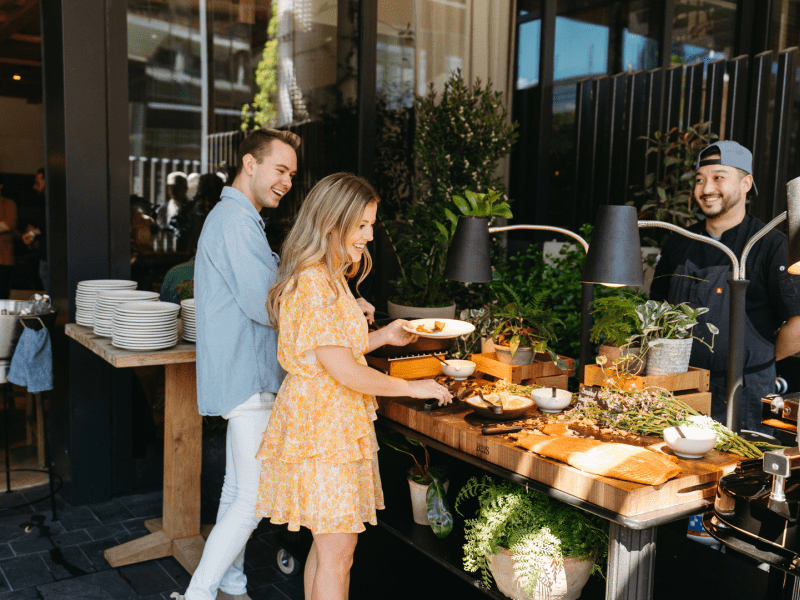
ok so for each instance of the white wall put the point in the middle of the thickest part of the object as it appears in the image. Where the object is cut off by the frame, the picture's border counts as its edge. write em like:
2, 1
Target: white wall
21, 136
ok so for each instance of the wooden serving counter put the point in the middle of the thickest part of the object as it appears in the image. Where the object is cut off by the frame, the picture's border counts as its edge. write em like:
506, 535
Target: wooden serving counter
634, 510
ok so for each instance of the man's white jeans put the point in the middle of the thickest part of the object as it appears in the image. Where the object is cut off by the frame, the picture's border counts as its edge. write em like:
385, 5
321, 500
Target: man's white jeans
222, 564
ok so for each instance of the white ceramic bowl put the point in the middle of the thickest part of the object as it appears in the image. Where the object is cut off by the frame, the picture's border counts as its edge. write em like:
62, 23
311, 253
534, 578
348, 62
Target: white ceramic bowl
459, 369
695, 442
551, 404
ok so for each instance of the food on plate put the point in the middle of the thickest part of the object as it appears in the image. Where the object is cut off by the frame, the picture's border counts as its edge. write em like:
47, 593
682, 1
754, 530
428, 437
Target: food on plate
620, 461
437, 327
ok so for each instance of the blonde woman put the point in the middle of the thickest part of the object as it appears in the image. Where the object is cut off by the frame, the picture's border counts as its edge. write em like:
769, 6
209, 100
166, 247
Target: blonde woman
319, 452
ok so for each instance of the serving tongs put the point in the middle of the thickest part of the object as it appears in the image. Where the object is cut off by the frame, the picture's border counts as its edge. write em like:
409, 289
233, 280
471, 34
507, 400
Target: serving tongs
497, 407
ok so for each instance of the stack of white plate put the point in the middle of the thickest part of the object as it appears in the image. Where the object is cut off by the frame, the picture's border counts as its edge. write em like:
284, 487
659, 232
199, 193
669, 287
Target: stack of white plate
86, 296
187, 318
108, 300
145, 325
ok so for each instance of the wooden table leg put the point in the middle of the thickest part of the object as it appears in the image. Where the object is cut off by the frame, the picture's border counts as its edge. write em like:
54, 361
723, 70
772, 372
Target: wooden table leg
631, 563
179, 535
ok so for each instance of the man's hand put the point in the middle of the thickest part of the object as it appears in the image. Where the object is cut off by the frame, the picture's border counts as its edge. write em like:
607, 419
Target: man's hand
367, 309
30, 235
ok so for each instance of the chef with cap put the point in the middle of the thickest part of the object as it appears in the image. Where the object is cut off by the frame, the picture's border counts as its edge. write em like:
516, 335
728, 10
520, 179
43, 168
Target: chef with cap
696, 272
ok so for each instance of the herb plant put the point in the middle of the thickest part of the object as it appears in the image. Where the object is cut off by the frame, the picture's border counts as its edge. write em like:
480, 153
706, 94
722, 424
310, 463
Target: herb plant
536, 529
526, 325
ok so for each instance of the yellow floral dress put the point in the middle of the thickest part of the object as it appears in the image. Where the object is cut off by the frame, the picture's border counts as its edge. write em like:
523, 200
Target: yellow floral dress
319, 453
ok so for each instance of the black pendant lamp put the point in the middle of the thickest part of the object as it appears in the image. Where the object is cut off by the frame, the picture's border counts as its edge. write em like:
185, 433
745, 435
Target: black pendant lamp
469, 258
615, 253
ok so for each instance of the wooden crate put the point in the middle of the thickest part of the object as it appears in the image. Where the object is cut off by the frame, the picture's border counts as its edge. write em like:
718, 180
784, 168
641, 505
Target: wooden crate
417, 367
557, 381
694, 380
488, 363
700, 401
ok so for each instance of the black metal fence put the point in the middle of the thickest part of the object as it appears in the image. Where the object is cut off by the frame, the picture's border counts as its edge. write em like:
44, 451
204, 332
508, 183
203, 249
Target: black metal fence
748, 101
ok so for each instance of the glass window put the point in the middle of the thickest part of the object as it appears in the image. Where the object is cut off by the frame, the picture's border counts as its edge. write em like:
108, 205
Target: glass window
529, 42
442, 40
703, 30
395, 69
640, 23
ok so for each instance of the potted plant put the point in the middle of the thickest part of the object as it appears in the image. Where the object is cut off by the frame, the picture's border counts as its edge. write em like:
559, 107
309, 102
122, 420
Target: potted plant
523, 330
667, 335
533, 546
461, 136
427, 486
615, 325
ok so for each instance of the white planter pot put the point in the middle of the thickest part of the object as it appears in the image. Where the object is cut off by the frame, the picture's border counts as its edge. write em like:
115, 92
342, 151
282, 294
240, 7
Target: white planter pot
400, 311
665, 357
419, 501
555, 583
523, 356
613, 353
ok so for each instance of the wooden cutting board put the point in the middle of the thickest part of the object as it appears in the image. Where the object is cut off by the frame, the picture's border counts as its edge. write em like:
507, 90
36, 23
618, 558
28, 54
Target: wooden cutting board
458, 427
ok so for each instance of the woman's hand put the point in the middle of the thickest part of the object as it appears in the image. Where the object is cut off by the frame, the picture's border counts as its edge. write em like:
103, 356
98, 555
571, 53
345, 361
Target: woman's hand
428, 388
367, 309
395, 335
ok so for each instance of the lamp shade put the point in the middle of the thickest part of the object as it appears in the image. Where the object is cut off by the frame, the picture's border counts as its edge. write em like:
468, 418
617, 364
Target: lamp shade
793, 217
615, 254
469, 258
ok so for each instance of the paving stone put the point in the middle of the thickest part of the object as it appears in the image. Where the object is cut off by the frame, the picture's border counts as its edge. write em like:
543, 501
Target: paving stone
94, 552
27, 594
102, 532
258, 554
107, 585
144, 505
79, 517
292, 588
267, 593
38, 543
136, 525
5, 551
270, 593
124, 538
25, 571
111, 512
175, 570
147, 578
19, 525
258, 578
64, 563
14, 503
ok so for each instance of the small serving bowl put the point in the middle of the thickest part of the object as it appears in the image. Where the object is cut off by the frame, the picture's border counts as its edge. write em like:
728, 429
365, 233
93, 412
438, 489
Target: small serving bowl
549, 403
458, 369
695, 442
487, 411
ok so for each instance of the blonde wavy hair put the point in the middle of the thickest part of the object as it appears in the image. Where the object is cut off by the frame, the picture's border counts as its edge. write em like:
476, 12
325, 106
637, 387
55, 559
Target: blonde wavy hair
335, 205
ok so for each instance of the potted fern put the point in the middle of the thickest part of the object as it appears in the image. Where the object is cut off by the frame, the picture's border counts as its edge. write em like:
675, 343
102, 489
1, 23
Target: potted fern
534, 547
615, 325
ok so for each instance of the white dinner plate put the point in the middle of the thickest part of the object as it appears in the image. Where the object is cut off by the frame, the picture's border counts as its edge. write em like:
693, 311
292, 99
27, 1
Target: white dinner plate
452, 328
147, 308
146, 346
117, 296
107, 284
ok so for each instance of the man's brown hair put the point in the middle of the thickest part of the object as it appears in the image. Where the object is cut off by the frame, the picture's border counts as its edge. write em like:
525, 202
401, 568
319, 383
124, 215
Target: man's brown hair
259, 144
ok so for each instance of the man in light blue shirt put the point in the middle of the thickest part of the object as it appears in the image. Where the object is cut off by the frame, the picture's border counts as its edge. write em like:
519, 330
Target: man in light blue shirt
238, 373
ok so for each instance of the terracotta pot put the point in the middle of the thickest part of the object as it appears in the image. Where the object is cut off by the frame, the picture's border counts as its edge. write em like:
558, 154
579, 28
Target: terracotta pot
419, 500
564, 583
635, 366
401, 311
523, 356
667, 356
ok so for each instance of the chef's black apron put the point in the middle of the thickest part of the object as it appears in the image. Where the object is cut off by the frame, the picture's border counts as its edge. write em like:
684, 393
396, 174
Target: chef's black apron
709, 287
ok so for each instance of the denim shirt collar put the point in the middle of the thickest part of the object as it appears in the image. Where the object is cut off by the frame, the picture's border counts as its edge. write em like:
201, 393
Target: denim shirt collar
243, 201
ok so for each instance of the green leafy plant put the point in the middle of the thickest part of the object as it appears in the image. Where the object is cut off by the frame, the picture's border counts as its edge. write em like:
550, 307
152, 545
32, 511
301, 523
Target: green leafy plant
664, 320
475, 204
264, 102
615, 319
439, 515
667, 192
460, 138
527, 325
536, 529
